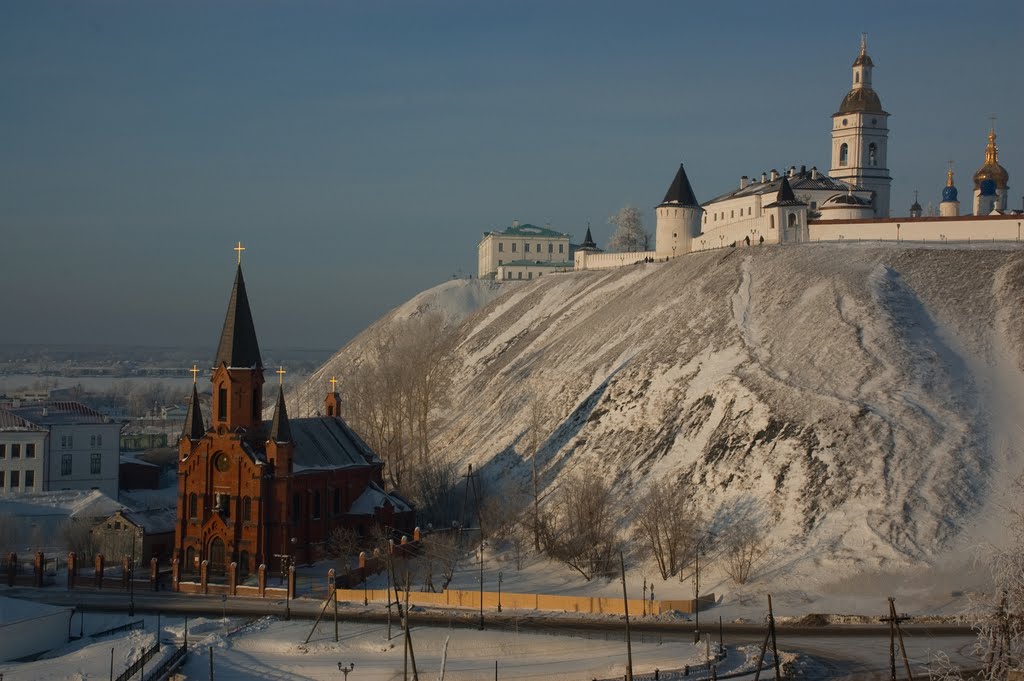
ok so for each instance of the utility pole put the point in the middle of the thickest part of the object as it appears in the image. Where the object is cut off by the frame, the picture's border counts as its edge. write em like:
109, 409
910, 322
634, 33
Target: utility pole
895, 631
696, 594
481, 582
771, 628
625, 607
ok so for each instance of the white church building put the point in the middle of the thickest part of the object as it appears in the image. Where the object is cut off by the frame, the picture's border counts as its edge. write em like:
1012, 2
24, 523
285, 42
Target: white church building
851, 202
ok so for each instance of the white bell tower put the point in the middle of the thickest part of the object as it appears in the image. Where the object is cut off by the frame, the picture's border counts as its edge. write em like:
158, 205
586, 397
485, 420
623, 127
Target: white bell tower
860, 136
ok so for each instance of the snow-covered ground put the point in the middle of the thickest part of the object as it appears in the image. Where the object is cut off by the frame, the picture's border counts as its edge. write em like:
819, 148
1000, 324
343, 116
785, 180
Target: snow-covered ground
861, 402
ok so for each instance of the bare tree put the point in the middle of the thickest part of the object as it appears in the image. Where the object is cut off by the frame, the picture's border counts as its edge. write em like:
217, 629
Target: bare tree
583, 527
532, 440
669, 521
630, 235
443, 551
342, 544
744, 546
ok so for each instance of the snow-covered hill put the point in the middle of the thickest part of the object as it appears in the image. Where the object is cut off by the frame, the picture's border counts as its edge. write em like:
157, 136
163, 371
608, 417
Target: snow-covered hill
864, 401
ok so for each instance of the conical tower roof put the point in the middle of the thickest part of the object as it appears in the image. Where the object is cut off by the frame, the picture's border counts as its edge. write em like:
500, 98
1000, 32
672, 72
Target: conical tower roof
588, 241
786, 197
680, 193
194, 428
238, 346
280, 431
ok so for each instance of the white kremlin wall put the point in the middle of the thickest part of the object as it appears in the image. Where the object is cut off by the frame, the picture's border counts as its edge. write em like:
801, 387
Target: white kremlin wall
963, 228
585, 260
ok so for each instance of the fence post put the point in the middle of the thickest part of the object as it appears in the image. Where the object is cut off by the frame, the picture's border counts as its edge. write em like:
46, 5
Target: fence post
99, 565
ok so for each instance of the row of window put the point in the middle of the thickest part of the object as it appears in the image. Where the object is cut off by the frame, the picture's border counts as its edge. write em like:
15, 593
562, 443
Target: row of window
844, 154
222, 505
95, 464
732, 214
15, 449
16, 477
526, 248
529, 275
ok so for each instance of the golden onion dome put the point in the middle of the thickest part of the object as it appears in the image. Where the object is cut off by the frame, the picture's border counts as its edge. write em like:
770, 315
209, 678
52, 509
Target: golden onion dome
991, 170
862, 99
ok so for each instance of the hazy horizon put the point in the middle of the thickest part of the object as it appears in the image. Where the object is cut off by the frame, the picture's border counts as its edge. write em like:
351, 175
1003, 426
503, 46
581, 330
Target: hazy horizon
360, 150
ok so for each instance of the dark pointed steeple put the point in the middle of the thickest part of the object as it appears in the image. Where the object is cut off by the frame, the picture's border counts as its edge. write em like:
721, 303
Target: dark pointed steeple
238, 345
280, 431
681, 193
588, 241
786, 197
194, 428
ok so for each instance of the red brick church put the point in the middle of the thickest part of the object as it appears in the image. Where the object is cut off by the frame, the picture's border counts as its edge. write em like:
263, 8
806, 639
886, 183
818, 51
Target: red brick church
251, 491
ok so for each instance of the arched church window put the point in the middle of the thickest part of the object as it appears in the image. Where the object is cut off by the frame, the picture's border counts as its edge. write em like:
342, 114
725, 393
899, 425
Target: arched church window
844, 154
330, 407
193, 506
247, 509
771, 222
792, 219
872, 154
856, 78
190, 559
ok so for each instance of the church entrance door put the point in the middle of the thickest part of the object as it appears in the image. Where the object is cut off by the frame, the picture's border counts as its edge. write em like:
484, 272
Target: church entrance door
217, 566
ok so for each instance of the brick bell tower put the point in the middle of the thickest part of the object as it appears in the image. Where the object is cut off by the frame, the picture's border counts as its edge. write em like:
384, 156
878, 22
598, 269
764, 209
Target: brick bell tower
222, 495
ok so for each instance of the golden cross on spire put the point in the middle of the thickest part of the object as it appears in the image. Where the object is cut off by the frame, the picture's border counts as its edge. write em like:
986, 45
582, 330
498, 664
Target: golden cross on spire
195, 372
239, 248
334, 384
280, 375
993, 119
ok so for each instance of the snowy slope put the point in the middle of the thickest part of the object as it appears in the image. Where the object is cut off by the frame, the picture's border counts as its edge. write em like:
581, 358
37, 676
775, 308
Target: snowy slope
864, 401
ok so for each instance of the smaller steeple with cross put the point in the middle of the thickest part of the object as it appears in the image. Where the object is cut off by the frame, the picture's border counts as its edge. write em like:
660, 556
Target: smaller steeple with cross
238, 249
332, 405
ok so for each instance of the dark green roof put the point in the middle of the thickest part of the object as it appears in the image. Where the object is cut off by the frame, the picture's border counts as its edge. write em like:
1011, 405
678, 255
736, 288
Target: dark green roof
530, 230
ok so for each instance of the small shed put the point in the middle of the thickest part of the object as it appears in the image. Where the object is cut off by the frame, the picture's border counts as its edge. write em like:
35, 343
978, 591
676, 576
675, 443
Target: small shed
146, 534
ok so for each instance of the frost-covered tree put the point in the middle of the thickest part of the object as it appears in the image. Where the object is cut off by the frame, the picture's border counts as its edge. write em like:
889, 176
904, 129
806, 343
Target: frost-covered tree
671, 524
629, 235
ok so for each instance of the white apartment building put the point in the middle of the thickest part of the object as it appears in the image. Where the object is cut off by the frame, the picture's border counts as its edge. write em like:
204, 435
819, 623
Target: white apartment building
540, 248
63, 445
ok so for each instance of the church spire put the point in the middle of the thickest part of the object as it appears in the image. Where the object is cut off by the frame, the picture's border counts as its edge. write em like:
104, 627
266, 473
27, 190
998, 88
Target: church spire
238, 346
280, 430
194, 428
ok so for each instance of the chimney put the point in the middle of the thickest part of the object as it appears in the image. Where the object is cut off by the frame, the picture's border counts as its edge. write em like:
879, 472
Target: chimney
774, 175
764, 177
814, 172
744, 181
803, 171
792, 171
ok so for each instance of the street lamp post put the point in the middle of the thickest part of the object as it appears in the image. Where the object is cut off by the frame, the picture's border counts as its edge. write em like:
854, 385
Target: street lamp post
290, 561
500, 575
131, 581
345, 670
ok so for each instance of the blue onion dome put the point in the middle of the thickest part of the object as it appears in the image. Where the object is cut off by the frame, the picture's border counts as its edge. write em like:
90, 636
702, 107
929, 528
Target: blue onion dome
949, 193
988, 187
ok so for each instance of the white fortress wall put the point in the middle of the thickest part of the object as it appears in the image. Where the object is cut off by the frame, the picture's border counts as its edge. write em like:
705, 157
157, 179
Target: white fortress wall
931, 229
726, 232
607, 261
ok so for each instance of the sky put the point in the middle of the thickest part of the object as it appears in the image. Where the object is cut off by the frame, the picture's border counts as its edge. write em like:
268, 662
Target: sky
359, 150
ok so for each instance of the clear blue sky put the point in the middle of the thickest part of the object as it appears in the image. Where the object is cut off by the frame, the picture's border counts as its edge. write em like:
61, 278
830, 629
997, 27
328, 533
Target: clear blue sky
359, 149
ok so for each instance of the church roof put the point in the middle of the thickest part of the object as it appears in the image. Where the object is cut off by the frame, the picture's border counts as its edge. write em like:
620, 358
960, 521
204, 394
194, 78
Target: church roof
327, 442
238, 346
529, 230
60, 412
785, 197
279, 427
680, 193
862, 99
588, 243
374, 498
801, 181
194, 428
